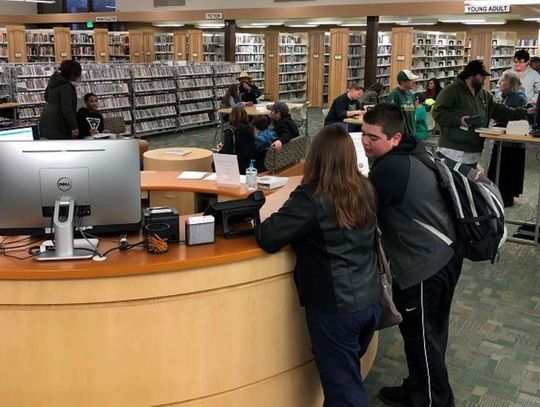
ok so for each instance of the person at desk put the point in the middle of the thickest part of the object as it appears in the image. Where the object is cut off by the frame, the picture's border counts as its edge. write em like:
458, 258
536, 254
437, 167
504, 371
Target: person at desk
247, 90
239, 139
89, 119
512, 169
284, 126
329, 220
59, 119
345, 105
464, 100
373, 94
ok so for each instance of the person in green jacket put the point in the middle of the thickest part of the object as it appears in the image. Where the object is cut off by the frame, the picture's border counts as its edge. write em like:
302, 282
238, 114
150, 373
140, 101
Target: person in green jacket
403, 97
422, 132
455, 107
59, 117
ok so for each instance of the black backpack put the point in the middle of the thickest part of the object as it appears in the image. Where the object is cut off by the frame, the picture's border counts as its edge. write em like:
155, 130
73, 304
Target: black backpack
477, 208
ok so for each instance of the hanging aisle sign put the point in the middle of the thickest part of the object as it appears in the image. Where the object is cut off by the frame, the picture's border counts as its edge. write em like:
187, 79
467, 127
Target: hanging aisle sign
480, 9
214, 16
106, 19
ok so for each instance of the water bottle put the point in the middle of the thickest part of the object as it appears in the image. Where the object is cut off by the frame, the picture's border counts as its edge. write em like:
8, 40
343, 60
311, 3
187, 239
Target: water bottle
251, 176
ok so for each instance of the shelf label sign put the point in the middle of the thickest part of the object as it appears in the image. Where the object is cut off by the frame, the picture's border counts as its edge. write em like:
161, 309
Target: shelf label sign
315, 56
503, 8
102, 54
18, 54
270, 55
214, 16
401, 58
338, 56
106, 19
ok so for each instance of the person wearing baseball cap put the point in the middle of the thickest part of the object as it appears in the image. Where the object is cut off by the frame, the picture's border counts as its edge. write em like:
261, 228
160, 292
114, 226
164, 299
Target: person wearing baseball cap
403, 97
284, 126
464, 106
247, 90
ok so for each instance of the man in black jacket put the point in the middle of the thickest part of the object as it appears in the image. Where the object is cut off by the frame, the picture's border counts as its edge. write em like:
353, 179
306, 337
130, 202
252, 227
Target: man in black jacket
418, 232
284, 126
345, 105
247, 90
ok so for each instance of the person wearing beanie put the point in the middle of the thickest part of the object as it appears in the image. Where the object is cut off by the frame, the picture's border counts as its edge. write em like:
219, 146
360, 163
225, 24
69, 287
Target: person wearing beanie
403, 98
462, 107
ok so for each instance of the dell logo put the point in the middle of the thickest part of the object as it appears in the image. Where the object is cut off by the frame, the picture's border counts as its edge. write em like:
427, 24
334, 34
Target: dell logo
64, 184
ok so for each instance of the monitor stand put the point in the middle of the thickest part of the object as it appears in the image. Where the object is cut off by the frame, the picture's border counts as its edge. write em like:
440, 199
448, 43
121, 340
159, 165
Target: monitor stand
64, 246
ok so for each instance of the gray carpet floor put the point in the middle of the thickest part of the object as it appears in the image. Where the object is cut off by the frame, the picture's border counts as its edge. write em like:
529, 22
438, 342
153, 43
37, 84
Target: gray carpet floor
494, 346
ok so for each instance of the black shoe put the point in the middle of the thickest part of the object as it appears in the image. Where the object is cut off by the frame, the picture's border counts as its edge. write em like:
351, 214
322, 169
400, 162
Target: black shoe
393, 396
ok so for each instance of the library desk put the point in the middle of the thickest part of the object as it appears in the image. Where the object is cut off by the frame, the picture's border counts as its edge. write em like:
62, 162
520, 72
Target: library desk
9, 111
354, 120
165, 159
500, 138
200, 326
259, 109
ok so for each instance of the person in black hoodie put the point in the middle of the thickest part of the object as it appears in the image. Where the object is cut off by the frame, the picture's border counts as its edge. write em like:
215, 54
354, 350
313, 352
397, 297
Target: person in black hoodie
417, 233
239, 139
58, 119
89, 120
284, 126
329, 220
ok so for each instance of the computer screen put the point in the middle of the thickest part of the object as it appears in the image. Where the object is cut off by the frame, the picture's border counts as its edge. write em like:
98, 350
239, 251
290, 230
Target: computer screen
100, 177
18, 134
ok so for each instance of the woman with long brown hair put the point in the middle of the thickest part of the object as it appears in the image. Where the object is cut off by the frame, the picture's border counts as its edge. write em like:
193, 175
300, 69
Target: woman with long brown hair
329, 220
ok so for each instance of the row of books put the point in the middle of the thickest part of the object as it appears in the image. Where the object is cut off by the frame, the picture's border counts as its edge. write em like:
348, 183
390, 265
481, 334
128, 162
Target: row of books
152, 71
154, 113
292, 59
109, 88
86, 50
194, 119
195, 94
29, 113
126, 115
39, 37
82, 38
154, 86
105, 73
197, 107
289, 49
153, 100
250, 49
163, 48
159, 124
250, 58
225, 80
114, 102
31, 98
199, 82
42, 50
249, 39
31, 85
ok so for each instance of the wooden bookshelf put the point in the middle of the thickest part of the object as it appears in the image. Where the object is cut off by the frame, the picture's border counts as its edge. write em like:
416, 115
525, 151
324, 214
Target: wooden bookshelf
16, 44
429, 54
384, 59
357, 58
40, 46
136, 46
339, 62
180, 46
214, 46
316, 69
195, 48
496, 49
4, 45
293, 66
271, 65
101, 45
83, 46
119, 46
62, 44
164, 47
249, 54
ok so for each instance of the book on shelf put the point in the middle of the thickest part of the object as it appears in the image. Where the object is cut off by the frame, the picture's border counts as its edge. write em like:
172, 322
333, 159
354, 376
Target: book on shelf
155, 113
159, 124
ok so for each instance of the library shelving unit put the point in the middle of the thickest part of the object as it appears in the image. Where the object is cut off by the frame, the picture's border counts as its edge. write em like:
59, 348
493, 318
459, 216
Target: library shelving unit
293, 53
119, 46
163, 47
154, 97
326, 69
195, 95
3, 45
250, 56
503, 47
225, 74
357, 58
29, 90
214, 46
429, 54
110, 82
438, 55
496, 49
528, 44
82, 46
384, 54
40, 46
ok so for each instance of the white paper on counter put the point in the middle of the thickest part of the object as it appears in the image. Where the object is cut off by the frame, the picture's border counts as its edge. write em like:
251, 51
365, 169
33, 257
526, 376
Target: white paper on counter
191, 175
363, 164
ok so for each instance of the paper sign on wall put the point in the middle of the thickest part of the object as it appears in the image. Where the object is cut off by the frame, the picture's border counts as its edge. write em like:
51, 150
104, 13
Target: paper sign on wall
214, 16
227, 171
401, 57
106, 19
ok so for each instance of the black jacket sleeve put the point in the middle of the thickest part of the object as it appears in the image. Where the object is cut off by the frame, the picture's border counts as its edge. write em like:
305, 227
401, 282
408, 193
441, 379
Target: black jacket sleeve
82, 124
295, 219
390, 176
286, 130
101, 126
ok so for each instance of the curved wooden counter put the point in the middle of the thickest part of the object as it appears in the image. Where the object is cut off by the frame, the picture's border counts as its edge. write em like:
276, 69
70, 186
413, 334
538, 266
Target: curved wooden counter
215, 325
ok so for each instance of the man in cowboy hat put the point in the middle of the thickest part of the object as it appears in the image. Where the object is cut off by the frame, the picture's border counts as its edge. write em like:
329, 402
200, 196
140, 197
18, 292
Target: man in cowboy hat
247, 90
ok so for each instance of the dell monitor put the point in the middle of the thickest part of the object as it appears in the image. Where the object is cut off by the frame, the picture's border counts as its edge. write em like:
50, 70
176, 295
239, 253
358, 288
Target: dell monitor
89, 185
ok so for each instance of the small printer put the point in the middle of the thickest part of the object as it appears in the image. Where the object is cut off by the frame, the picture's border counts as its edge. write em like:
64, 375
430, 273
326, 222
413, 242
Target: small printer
163, 215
